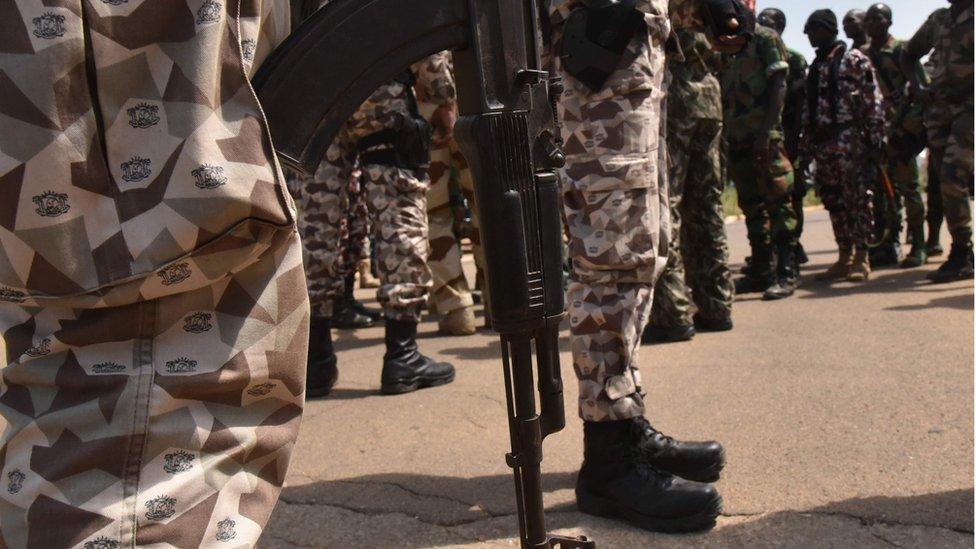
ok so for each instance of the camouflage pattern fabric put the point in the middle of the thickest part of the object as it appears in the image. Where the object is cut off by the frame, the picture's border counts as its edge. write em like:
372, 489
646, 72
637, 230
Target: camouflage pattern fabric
698, 255
905, 131
395, 200
355, 244
838, 136
796, 86
949, 116
763, 185
153, 319
165, 422
616, 207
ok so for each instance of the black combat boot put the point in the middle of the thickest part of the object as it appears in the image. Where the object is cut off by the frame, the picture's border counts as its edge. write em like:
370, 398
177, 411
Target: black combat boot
347, 313
617, 481
321, 372
404, 368
917, 256
760, 272
698, 461
666, 334
706, 324
786, 274
888, 254
801, 254
933, 246
958, 266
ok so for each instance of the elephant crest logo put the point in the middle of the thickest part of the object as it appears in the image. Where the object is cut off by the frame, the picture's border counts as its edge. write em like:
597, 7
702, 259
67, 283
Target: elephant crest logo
261, 389
160, 508
48, 26
107, 368
248, 48
197, 323
15, 481
143, 115
226, 530
136, 169
174, 274
209, 176
41, 349
11, 295
209, 12
178, 462
51, 204
181, 365
102, 543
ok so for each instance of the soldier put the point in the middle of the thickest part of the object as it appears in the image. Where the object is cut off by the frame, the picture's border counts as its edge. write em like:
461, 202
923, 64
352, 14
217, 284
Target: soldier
948, 33
905, 139
796, 86
854, 28
347, 312
699, 255
152, 298
844, 133
616, 210
389, 140
754, 89
450, 295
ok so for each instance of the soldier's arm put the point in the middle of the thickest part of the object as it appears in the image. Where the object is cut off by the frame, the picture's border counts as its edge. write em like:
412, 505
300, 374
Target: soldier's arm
774, 60
435, 84
871, 100
915, 49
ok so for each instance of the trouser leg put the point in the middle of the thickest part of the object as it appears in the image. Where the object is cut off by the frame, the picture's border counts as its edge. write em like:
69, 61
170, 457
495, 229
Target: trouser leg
956, 178
450, 290
161, 422
397, 201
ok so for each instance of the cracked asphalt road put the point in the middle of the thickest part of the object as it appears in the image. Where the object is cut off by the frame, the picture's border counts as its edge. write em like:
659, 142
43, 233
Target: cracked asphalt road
846, 412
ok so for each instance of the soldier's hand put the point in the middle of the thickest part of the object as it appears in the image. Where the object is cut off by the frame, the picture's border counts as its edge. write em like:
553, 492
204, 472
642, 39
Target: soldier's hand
730, 44
442, 121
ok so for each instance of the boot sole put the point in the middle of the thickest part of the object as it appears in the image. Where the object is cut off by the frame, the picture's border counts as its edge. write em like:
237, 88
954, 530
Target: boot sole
411, 385
592, 504
776, 297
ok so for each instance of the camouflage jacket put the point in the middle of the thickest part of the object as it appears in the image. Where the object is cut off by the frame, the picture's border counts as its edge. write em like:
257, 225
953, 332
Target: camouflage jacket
949, 31
655, 13
435, 79
745, 85
854, 99
132, 143
694, 91
891, 80
796, 85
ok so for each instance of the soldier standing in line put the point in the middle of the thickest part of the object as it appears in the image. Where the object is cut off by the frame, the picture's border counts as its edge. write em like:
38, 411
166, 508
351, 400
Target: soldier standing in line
389, 140
905, 139
616, 209
754, 90
854, 28
843, 124
152, 299
698, 262
450, 296
796, 86
948, 33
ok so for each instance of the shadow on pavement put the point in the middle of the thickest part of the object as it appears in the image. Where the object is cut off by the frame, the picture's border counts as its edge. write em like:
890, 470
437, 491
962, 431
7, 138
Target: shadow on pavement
881, 282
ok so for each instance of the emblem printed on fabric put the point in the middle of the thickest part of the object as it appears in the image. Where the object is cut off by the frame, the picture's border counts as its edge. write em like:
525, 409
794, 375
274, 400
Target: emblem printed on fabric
51, 204
102, 542
11, 295
248, 48
261, 389
197, 323
181, 365
209, 12
136, 169
143, 115
108, 368
160, 507
209, 176
48, 26
178, 462
174, 274
41, 349
15, 481
115, 2
226, 530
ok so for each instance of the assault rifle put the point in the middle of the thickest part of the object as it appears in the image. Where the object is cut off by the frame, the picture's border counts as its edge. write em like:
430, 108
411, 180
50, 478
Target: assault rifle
508, 134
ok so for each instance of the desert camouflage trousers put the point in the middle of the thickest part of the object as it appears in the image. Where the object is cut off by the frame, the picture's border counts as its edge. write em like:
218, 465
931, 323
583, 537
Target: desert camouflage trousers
843, 180
765, 194
616, 209
165, 423
450, 290
396, 202
950, 131
698, 261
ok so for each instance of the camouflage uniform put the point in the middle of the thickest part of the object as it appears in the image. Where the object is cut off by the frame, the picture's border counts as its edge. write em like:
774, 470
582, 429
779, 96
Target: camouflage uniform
760, 188
151, 278
905, 133
949, 118
843, 121
616, 205
395, 198
450, 291
796, 85
699, 255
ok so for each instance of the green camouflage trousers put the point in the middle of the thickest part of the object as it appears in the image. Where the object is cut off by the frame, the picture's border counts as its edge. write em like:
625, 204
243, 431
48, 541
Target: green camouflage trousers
698, 261
764, 193
166, 422
616, 209
397, 204
950, 130
905, 137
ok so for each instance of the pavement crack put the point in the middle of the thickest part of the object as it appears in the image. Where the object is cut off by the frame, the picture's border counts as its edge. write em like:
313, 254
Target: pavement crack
884, 540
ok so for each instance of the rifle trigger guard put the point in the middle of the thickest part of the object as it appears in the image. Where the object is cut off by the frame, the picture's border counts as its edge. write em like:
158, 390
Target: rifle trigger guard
562, 542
